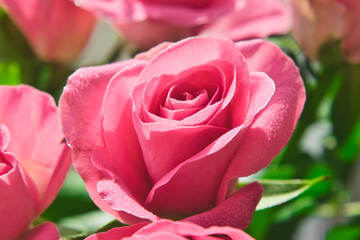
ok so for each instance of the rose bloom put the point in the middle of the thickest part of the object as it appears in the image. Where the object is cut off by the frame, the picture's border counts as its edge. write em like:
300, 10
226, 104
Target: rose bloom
57, 30
167, 134
33, 161
146, 23
169, 230
319, 21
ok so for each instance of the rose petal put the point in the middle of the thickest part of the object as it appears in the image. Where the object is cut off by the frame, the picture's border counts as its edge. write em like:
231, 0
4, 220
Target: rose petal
119, 200
44, 231
236, 211
117, 233
82, 120
17, 205
274, 125
81, 127
165, 229
119, 134
4, 137
189, 53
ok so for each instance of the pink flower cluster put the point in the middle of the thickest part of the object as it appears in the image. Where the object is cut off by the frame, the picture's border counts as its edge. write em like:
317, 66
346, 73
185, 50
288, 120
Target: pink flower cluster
164, 135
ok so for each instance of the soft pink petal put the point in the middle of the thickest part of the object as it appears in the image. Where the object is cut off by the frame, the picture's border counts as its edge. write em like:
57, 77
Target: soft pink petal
117, 233
119, 134
161, 158
111, 192
81, 114
57, 30
81, 104
179, 194
4, 137
232, 233
17, 200
236, 211
274, 125
44, 231
252, 19
165, 229
189, 53
36, 138
190, 229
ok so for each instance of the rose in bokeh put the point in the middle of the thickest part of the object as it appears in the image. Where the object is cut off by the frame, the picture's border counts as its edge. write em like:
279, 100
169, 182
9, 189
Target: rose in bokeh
169, 230
166, 135
146, 23
319, 21
57, 30
33, 161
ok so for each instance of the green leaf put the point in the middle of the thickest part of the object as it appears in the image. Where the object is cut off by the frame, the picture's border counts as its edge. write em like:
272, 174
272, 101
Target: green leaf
277, 192
85, 224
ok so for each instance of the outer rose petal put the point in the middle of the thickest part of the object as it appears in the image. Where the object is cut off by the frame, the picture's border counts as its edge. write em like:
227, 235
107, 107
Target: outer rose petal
81, 112
17, 201
165, 229
57, 30
236, 211
252, 19
44, 231
274, 125
117, 233
45, 166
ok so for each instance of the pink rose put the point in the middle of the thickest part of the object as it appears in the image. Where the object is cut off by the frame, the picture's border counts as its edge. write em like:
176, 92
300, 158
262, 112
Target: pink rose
57, 30
33, 161
319, 21
166, 135
148, 22
169, 230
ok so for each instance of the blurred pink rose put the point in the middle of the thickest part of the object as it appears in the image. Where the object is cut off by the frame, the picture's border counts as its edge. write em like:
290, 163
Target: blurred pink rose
57, 30
33, 160
149, 22
169, 230
167, 134
316, 22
